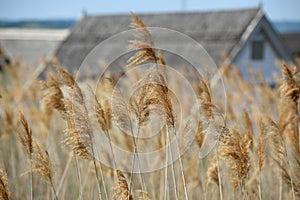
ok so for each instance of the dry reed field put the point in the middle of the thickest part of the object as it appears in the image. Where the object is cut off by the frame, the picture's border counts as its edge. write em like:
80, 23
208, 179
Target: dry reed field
48, 148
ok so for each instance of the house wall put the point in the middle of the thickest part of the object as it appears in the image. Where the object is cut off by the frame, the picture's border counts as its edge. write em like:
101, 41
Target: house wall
267, 65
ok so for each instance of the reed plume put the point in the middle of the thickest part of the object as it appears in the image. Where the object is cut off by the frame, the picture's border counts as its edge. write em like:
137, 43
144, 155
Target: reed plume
211, 126
234, 149
144, 44
79, 135
153, 91
288, 105
121, 190
288, 123
4, 192
42, 165
53, 95
39, 159
279, 154
289, 87
54, 99
25, 135
212, 174
103, 116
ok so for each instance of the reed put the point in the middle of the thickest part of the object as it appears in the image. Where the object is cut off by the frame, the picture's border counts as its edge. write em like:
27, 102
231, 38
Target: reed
249, 149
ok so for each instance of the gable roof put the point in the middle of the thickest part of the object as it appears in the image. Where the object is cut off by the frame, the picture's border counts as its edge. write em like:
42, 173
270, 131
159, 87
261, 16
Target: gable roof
260, 24
217, 31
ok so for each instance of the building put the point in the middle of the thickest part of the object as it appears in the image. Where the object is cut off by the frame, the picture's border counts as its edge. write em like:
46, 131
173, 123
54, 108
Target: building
245, 36
31, 44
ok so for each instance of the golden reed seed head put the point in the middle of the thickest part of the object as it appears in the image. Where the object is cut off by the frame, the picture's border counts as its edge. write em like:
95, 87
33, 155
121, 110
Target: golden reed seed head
121, 190
25, 135
41, 162
4, 193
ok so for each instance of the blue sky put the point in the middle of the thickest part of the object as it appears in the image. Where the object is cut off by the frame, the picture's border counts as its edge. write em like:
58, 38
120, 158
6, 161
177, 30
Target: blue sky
45, 9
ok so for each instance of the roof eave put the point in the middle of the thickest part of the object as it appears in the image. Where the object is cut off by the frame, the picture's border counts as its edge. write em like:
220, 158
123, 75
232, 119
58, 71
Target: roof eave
235, 51
276, 41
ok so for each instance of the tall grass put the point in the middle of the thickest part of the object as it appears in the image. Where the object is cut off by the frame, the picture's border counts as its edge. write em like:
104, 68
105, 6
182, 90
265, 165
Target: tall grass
48, 149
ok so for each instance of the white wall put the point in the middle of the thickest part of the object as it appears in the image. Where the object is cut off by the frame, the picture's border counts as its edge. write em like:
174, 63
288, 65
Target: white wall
267, 65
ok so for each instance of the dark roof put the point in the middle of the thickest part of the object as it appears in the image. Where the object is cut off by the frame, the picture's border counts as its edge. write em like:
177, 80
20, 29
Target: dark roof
217, 31
292, 41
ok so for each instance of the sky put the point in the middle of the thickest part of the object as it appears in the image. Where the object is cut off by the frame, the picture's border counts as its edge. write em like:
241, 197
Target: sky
276, 10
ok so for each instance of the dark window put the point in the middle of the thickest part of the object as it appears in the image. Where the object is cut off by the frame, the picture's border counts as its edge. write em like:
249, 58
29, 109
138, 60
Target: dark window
257, 50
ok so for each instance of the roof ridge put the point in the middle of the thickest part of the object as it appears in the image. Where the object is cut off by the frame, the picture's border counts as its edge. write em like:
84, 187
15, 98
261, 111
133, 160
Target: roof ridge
174, 12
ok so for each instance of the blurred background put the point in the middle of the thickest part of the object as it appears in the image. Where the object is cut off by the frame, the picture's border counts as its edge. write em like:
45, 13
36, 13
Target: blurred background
32, 30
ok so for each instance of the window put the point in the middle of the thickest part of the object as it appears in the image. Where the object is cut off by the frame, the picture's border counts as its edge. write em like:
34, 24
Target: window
257, 50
